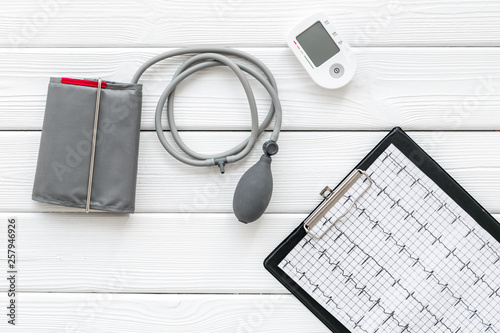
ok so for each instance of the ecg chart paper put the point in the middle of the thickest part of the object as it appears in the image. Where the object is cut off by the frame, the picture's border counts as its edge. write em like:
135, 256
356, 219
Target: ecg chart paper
406, 258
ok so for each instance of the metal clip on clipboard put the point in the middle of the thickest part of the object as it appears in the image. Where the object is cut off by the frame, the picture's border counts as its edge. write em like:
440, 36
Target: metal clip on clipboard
331, 198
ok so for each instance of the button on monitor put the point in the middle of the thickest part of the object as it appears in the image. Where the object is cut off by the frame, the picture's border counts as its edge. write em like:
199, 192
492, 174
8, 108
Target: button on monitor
336, 70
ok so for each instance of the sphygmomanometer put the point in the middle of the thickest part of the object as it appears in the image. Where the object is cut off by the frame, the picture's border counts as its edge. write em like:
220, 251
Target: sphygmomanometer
254, 190
89, 146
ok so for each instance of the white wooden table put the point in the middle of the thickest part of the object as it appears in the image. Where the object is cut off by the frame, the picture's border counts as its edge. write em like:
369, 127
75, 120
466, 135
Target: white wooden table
183, 263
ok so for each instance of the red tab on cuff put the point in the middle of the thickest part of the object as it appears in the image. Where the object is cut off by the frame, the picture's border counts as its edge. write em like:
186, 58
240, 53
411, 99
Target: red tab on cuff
86, 83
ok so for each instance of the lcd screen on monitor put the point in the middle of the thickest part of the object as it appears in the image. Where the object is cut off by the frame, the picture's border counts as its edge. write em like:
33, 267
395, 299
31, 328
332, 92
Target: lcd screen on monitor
318, 44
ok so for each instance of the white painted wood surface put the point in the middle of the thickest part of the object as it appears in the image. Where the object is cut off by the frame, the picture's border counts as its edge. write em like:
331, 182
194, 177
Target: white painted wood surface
68, 312
307, 162
416, 88
147, 253
117, 23
182, 263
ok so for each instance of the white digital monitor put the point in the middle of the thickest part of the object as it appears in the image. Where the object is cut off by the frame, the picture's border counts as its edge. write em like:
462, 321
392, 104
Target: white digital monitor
322, 51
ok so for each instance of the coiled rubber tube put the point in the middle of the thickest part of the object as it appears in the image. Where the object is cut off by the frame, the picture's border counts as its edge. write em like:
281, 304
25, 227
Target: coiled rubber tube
205, 57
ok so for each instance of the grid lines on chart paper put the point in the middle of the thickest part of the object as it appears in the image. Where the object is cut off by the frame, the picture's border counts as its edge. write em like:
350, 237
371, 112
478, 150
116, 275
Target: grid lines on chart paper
406, 258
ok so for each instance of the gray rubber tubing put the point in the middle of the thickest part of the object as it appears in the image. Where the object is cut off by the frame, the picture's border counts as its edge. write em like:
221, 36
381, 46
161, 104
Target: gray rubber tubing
205, 57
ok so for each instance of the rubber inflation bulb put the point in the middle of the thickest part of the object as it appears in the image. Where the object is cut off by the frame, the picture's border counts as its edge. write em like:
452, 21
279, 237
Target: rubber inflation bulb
254, 191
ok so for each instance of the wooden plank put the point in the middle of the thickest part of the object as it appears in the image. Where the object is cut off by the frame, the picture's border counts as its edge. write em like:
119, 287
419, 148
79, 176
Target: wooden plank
145, 253
167, 253
162, 313
416, 88
306, 163
62, 23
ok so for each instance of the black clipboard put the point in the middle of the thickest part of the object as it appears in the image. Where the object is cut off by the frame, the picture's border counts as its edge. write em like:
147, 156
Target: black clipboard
427, 165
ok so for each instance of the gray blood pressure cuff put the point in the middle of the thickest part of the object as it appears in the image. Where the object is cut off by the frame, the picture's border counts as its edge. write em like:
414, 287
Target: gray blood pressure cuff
89, 145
